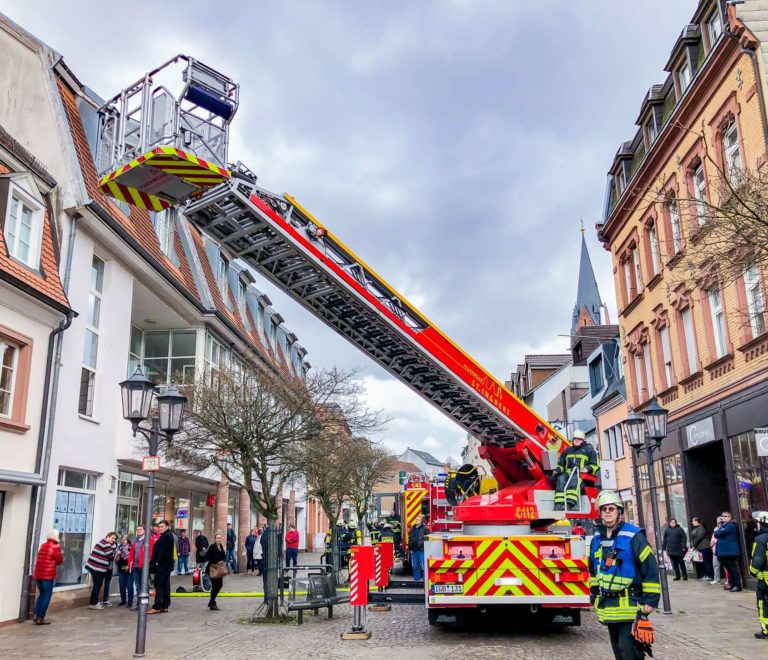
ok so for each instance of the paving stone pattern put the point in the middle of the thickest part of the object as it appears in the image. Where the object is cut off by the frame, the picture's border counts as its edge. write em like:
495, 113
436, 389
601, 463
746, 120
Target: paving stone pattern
707, 623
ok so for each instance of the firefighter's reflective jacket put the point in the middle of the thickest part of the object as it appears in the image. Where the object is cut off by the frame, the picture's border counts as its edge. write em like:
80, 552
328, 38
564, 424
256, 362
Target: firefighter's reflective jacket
759, 564
328, 538
623, 573
759, 568
579, 457
375, 535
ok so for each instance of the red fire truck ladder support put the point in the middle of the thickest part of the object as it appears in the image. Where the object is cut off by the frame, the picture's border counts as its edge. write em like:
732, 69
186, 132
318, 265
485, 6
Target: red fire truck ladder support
279, 238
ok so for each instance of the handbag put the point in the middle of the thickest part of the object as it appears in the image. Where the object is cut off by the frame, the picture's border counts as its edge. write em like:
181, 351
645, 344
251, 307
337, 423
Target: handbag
217, 570
689, 554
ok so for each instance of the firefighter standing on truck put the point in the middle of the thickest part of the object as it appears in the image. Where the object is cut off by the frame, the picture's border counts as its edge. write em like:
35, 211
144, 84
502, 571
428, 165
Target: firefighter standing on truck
759, 568
623, 580
580, 456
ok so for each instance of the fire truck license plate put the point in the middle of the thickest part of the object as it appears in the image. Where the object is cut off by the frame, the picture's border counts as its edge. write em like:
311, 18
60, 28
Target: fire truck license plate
448, 589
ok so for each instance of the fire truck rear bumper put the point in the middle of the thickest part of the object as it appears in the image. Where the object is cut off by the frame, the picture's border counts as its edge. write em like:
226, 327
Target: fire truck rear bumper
469, 601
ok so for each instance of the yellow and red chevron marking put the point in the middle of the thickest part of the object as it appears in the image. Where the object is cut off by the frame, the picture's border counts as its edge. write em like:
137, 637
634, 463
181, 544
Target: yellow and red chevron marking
135, 197
513, 558
565, 564
171, 158
413, 498
172, 162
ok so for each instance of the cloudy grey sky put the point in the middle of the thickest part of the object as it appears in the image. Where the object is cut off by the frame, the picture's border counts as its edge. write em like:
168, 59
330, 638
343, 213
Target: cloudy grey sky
452, 144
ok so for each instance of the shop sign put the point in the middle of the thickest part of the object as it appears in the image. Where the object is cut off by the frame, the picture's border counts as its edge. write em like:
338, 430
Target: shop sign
700, 433
761, 440
608, 475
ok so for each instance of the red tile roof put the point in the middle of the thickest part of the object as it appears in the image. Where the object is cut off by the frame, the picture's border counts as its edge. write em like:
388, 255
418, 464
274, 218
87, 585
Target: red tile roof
46, 281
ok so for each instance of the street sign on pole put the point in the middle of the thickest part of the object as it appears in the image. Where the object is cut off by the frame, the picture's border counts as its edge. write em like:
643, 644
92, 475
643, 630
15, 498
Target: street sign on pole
150, 463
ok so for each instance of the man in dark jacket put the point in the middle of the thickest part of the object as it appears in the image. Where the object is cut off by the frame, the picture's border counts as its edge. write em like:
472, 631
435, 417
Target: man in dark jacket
201, 546
416, 545
675, 544
727, 548
162, 564
231, 547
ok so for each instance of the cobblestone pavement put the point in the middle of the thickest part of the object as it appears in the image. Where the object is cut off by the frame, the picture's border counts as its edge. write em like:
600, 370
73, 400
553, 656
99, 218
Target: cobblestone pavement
706, 623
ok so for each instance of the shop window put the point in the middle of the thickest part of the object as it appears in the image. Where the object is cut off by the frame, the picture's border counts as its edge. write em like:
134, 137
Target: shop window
130, 498
73, 517
750, 472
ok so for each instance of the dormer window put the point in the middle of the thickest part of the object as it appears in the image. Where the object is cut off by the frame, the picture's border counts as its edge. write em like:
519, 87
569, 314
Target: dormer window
165, 228
241, 297
221, 276
684, 76
651, 130
23, 228
714, 27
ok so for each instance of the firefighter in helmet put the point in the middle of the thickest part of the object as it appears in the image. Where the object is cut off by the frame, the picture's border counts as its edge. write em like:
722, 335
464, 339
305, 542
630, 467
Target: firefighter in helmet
623, 580
387, 534
582, 458
758, 567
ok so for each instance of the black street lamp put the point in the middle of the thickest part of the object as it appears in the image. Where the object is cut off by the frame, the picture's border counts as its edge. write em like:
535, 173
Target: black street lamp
137, 394
645, 433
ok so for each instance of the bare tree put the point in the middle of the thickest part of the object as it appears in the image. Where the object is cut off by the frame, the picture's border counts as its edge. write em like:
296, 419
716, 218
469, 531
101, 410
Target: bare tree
721, 226
368, 464
251, 423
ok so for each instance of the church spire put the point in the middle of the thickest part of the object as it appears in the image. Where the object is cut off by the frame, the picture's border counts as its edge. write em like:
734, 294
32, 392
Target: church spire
588, 307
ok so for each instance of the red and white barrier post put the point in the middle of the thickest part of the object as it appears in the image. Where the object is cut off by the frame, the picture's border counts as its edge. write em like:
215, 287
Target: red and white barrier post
361, 570
380, 577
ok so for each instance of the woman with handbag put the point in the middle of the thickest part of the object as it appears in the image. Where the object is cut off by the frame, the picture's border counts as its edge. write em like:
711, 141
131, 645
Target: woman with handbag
702, 563
216, 569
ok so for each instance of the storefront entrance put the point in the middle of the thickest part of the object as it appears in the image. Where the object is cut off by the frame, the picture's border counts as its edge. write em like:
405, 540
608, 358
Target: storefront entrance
706, 481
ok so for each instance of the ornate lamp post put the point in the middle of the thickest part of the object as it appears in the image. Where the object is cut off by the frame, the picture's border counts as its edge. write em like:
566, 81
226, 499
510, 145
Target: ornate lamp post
645, 434
137, 394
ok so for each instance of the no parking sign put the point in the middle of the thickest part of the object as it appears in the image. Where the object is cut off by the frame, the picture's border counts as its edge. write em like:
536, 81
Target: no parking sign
761, 440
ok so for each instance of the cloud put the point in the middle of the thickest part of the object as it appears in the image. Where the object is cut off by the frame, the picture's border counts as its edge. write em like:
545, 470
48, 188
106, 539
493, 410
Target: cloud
455, 146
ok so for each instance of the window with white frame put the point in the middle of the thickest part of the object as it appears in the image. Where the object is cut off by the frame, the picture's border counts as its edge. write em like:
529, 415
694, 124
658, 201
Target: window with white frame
648, 369
216, 358
73, 518
666, 356
715, 27
653, 244
241, 298
718, 321
651, 130
221, 277
638, 374
691, 350
700, 193
629, 285
165, 227
684, 76
755, 301
674, 223
23, 227
91, 348
168, 355
613, 444
732, 153
636, 266
9, 355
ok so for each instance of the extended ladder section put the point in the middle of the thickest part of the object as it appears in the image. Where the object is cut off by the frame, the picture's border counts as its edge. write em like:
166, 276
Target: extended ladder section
279, 238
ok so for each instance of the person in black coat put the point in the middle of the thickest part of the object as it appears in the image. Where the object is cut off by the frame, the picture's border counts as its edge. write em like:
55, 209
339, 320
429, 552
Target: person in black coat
161, 563
201, 546
675, 544
216, 553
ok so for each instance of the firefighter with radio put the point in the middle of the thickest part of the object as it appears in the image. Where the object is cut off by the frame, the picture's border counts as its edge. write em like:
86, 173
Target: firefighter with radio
582, 458
623, 580
758, 567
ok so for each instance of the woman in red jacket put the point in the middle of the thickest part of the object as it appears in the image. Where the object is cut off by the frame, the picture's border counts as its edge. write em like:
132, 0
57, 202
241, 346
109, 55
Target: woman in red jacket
291, 545
48, 558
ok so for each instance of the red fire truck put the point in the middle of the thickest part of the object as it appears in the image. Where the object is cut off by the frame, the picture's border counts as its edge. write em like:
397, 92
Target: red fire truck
511, 550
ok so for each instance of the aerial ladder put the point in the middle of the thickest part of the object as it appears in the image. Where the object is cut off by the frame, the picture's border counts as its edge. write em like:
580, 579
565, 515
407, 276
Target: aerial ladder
158, 150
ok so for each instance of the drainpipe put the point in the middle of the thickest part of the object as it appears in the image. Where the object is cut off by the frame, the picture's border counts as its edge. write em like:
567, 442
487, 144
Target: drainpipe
45, 433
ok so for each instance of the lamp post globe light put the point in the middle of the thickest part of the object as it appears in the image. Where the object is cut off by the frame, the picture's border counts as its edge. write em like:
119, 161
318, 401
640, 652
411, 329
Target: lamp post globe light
644, 433
137, 395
